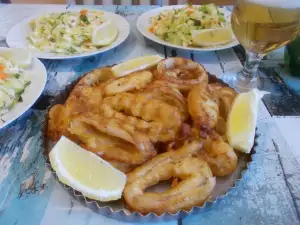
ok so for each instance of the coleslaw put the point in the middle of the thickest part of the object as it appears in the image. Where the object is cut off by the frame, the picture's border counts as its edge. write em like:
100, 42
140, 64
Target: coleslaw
13, 82
176, 25
66, 32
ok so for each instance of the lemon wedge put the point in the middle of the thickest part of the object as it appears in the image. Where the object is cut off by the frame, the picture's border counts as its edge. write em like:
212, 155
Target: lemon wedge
18, 56
241, 122
86, 172
140, 63
211, 37
104, 34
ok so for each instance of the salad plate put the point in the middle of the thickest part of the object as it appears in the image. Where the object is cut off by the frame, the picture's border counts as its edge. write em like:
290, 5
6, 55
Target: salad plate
144, 24
19, 87
19, 35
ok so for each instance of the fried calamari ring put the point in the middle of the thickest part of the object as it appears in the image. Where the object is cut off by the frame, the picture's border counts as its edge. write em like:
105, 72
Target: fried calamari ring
96, 77
135, 81
195, 186
156, 131
110, 139
184, 74
203, 106
168, 95
219, 155
226, 97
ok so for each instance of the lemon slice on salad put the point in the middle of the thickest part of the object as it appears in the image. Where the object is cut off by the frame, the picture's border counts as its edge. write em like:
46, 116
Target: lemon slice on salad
18, 56
140, 63
211, 37
104, 34
241, 122
86, 172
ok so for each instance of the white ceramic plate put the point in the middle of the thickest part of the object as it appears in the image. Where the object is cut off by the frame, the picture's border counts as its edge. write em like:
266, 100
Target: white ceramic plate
143, 23
16, 37
38, 78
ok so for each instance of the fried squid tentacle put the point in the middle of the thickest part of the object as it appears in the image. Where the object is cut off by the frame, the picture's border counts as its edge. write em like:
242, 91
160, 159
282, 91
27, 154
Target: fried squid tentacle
111, 139
156, 131
162, 121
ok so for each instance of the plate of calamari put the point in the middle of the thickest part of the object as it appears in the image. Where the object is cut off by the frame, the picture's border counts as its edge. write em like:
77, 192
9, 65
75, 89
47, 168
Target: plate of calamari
150, 138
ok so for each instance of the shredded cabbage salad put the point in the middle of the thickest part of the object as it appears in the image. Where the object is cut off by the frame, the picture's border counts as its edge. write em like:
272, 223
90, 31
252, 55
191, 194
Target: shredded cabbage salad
175, 25
13, 82
65, 33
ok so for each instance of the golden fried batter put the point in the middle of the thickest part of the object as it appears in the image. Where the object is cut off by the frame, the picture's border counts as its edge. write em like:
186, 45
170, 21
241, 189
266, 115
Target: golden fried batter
134, 81
110, 139
204, 108
86, 96
219, 155
156, 131
58, 120
170, 107
183, 73
148, 110
195, 186
168, 95
226, 96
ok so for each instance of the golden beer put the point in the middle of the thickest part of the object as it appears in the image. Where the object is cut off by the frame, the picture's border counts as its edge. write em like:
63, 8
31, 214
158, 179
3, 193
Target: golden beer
264, 25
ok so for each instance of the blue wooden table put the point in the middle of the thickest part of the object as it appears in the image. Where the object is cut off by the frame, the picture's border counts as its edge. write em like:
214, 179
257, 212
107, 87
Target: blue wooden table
30, 195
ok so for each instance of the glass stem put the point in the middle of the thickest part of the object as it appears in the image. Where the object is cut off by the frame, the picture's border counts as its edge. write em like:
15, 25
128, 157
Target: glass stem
249, 71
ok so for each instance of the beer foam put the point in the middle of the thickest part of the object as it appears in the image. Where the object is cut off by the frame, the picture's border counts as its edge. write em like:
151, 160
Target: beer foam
284, 4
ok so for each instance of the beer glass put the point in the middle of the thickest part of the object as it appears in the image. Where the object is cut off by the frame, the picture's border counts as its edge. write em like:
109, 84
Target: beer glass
261, 26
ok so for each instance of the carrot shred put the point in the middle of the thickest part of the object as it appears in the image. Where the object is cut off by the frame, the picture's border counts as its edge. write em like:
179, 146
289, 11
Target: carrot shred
83, 12
151, 29
2, 67
189, 12
3, 76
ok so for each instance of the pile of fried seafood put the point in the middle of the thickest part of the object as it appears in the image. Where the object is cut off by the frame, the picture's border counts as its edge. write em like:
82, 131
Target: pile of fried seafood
164, 123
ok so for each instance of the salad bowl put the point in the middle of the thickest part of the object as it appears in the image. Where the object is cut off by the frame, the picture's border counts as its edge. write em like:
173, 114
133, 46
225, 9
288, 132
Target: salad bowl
20, 87
17, 36
144, 23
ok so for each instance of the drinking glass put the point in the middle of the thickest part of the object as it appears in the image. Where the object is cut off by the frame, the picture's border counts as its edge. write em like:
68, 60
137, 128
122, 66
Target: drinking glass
261, 26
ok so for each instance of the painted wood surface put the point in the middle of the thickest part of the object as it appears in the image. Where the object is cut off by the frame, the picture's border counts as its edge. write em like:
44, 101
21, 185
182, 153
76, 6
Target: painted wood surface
29, 194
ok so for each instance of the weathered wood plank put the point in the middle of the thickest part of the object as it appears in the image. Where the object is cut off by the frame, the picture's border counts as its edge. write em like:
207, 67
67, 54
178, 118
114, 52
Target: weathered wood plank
24, 179
290, 129
229, 60
173, 52
64, 209
210, 61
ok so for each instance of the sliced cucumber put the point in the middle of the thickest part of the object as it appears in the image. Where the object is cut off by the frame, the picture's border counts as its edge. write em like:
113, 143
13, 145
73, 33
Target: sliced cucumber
17, 85
5, 100
212, 9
